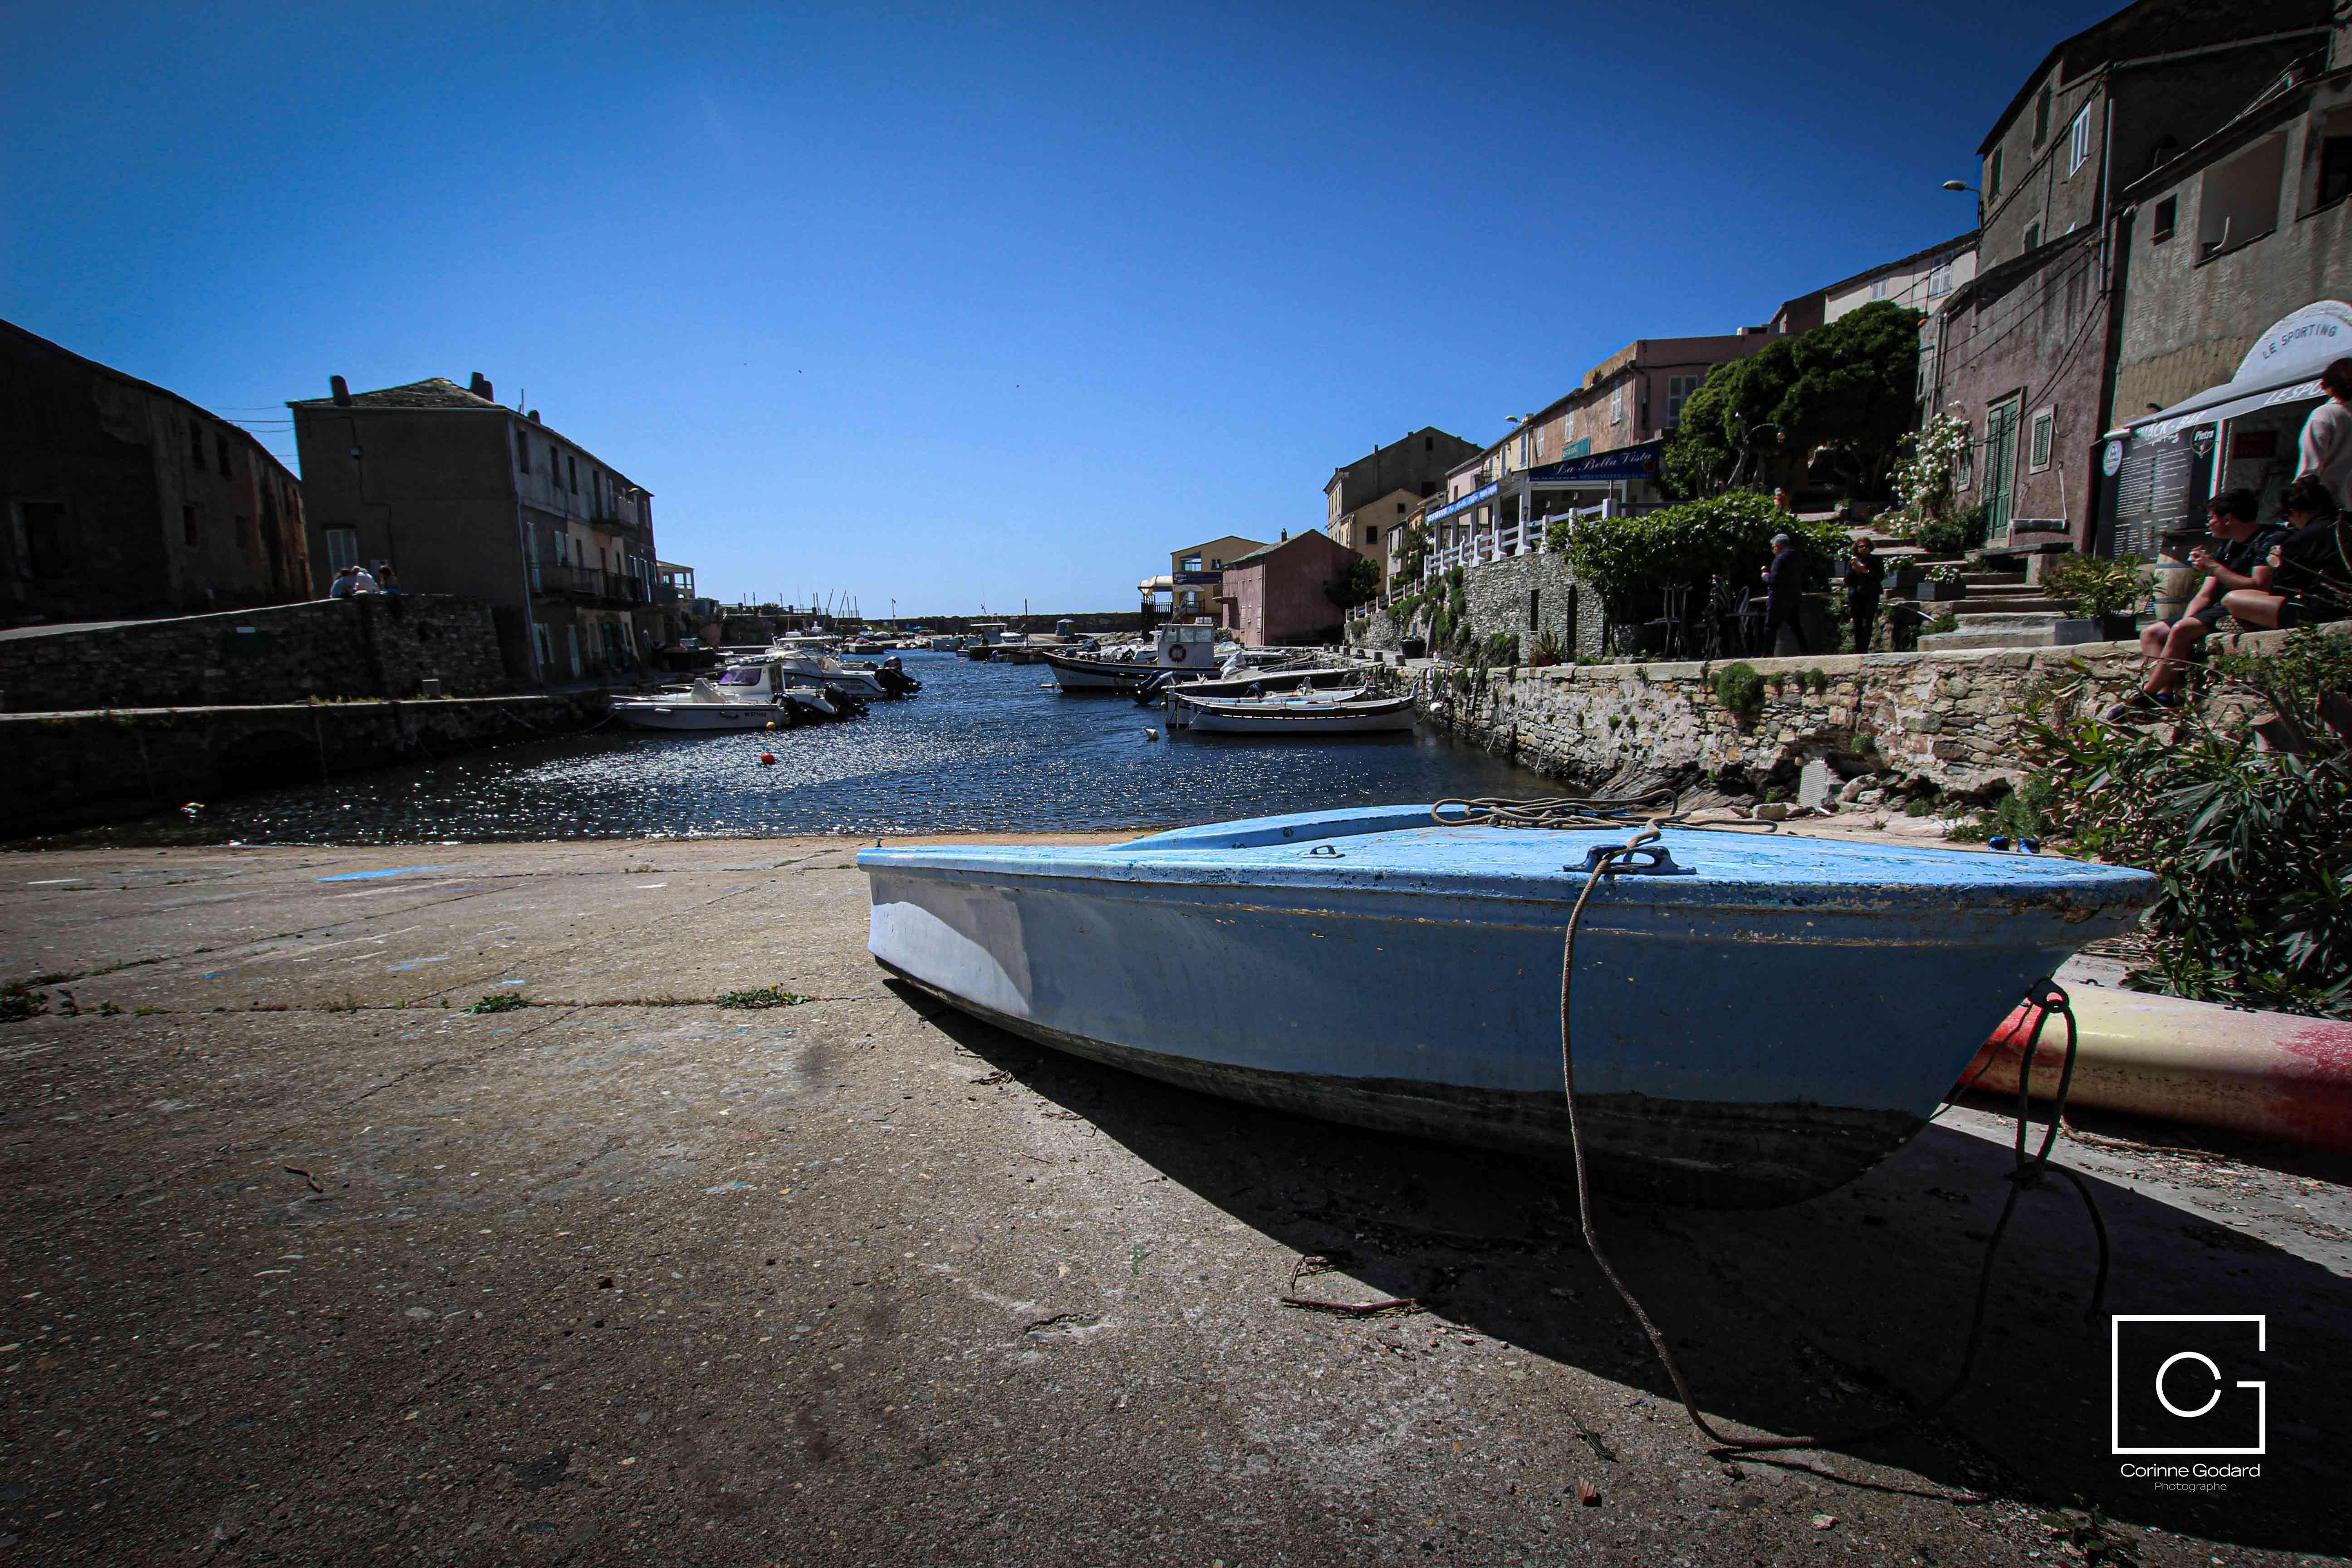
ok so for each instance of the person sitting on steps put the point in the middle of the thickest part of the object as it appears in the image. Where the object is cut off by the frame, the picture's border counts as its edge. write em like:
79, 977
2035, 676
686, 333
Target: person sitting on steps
2171, 647
2308, 578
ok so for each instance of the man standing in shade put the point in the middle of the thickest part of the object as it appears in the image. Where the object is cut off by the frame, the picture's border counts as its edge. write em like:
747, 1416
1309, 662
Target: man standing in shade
1785, 580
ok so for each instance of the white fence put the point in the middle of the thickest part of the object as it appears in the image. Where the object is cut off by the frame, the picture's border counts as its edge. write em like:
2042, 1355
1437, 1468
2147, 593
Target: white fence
1503, 540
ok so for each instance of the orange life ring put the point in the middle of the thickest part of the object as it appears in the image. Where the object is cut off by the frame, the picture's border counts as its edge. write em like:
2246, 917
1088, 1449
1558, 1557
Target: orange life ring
1176, 654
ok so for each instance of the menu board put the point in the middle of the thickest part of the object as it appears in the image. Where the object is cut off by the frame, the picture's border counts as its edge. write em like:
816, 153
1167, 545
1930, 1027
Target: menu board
2158, 488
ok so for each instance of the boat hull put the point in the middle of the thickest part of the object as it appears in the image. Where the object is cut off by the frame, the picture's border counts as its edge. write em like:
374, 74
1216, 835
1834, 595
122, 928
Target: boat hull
1699, 1152
714, 718
1075, 673
1390, 715
1734, 1046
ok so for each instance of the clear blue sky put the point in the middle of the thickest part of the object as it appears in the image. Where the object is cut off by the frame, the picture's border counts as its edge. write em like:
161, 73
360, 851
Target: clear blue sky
910, 303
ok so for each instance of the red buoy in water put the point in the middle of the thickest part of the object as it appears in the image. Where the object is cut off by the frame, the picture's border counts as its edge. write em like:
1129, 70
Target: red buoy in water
767, 759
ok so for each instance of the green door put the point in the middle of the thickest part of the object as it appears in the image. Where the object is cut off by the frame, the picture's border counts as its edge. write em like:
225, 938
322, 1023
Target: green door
2001, 470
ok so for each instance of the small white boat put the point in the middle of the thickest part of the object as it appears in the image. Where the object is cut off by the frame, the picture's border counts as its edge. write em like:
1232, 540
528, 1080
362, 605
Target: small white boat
704, 707
823, 670
1346, 712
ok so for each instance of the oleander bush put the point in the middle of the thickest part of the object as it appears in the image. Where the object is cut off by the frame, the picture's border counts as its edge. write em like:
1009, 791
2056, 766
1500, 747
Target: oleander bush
2243, 807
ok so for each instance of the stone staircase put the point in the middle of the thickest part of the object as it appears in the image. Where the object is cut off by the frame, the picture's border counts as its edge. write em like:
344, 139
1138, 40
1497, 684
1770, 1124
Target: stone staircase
2001, 609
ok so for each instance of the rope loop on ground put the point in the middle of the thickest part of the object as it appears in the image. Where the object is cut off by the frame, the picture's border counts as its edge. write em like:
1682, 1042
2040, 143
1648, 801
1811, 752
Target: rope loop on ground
2027, 1172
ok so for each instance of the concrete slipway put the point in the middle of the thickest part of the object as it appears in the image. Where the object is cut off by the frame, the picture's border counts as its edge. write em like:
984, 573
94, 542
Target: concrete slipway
302, 1268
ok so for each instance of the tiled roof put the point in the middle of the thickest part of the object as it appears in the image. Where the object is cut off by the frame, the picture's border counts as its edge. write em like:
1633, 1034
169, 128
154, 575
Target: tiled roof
434, 391
1263, 551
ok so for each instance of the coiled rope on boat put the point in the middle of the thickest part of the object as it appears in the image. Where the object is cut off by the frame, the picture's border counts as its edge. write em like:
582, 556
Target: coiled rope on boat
1661, 806
2026, 1171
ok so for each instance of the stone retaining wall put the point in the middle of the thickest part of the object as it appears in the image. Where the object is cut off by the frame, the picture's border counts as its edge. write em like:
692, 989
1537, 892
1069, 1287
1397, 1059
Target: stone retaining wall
1523, 597
72, 770
1950, 721
367, 645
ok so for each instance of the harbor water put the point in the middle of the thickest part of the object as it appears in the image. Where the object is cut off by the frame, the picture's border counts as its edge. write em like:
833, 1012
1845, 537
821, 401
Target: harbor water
983, 748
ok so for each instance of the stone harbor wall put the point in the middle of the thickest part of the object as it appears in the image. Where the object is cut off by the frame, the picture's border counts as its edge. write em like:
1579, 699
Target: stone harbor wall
368, 646
72, 770
1937, 723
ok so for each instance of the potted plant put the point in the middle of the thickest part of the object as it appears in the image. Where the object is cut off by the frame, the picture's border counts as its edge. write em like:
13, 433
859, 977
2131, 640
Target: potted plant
1943, 582
2106, 595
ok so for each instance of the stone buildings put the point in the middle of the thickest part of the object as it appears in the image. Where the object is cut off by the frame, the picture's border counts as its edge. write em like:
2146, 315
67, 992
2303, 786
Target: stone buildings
2239, 270
2026, 352
122, 500
1368, 503
1274, 596
459, 494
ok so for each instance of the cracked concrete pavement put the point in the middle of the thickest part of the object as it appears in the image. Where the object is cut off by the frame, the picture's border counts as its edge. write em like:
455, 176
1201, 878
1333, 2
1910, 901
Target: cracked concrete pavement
307, 1262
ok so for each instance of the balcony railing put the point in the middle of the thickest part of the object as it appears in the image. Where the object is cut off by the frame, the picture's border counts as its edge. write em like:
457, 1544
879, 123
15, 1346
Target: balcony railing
590, 582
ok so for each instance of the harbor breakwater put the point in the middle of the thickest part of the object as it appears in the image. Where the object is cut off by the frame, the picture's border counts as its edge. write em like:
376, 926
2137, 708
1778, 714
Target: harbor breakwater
75, 769
1949, 721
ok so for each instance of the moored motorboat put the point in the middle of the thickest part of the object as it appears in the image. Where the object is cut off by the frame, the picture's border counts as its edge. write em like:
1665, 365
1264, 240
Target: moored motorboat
703, 706
1343, 711
1759, 1021
1179, 649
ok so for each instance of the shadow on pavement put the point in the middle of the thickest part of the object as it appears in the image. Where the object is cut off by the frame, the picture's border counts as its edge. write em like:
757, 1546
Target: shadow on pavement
1830, 1315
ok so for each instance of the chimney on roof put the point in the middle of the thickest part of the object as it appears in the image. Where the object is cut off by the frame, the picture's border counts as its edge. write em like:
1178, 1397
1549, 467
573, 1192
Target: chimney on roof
480, 387
533, 416
341, 389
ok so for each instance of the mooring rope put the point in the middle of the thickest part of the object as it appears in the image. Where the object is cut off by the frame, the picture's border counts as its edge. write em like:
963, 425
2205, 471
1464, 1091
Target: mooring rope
1658, 807
2046, 995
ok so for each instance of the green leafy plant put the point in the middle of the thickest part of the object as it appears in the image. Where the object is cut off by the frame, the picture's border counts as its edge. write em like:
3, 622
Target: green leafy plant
2244, 818
1738, 687
1502, 648
1953, 534
19, 1001
1837, 399
2098, 586
499, 1002
1727, 539
1359, 582
1546, 649
762, 998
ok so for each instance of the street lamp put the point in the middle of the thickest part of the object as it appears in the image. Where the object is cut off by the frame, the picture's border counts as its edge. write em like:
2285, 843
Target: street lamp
1961, 186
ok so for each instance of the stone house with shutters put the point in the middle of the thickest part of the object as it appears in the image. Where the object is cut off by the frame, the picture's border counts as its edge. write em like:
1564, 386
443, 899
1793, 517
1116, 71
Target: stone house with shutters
460, 494
120, 499
2026, 351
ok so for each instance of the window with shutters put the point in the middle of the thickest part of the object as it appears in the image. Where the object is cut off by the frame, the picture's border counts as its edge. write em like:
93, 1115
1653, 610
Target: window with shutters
343, 548
2042, 116
1678, 391
2045, 426
2166, 222
2078, 142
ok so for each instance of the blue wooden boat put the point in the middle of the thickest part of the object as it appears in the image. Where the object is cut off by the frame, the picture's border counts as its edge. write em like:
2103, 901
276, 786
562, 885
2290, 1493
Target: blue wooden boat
1761, 1020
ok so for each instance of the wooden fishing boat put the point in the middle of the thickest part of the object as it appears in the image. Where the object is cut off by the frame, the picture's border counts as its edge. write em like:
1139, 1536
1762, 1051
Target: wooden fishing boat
1758, 1020
1178, 647
1338, 712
